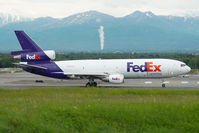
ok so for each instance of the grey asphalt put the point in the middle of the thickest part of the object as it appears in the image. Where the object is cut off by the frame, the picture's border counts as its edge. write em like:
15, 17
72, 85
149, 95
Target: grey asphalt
25, 80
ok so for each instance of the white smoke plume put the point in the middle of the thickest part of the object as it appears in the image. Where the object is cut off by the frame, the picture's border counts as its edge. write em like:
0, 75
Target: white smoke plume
101, 36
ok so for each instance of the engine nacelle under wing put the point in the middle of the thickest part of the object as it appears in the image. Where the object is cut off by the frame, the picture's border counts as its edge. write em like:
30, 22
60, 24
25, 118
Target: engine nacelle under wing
115, 78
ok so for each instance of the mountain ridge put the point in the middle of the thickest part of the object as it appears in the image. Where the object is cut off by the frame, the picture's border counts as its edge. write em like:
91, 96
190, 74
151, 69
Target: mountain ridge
79, 32
92, 13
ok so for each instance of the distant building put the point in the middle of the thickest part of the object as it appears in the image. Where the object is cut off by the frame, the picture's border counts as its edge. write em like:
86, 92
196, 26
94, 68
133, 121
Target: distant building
195, 54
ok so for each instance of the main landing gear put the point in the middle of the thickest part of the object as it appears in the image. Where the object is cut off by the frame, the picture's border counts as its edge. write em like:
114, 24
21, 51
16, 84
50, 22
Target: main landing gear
163, 84
91, 83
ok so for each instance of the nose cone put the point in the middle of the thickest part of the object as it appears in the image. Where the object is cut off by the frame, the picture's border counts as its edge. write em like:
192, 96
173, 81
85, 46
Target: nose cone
188, 69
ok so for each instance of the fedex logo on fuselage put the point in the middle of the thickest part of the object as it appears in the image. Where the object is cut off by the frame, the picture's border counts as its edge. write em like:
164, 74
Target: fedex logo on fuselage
147, 67
34, 57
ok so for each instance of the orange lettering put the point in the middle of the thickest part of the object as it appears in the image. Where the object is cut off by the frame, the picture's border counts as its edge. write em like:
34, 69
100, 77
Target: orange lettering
149, 66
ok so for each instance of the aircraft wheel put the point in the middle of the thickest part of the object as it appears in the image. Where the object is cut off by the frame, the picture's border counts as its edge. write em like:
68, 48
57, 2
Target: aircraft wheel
88, 84
95, 84
163, 85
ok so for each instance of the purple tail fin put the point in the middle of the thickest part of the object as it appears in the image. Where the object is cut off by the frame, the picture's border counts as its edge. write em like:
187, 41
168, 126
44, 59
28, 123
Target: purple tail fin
27, 44
30, 50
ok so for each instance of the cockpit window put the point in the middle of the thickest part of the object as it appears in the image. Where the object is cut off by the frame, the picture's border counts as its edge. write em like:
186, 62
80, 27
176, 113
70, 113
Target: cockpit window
183, 65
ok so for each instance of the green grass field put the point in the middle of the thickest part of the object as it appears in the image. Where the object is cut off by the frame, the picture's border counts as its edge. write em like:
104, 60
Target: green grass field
99, 110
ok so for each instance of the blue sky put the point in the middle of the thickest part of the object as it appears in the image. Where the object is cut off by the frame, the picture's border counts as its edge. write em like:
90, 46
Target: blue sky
117, 8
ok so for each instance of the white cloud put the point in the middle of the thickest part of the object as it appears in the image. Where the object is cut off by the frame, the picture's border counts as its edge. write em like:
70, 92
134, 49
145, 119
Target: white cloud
118, 8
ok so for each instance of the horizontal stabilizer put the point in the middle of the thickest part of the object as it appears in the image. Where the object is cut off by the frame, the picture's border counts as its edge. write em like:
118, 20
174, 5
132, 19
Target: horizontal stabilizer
30, 66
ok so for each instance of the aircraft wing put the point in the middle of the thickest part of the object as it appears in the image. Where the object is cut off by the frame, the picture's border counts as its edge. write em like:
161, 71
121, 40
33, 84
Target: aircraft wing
30, 66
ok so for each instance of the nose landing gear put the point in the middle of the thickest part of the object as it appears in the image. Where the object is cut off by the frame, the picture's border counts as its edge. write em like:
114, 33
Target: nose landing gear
163, 84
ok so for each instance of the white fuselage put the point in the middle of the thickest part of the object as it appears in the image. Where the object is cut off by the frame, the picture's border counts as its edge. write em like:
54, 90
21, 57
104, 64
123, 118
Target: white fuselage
130, 68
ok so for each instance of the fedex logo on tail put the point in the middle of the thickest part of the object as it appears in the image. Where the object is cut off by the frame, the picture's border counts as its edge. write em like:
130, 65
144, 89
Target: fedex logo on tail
147, 67
34, 57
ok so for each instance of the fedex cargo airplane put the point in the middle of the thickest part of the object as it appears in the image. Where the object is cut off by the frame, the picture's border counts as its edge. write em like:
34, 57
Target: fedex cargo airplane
37, 61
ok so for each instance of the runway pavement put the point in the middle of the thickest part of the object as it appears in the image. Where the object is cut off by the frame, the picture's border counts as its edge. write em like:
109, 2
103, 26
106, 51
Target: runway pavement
25, 80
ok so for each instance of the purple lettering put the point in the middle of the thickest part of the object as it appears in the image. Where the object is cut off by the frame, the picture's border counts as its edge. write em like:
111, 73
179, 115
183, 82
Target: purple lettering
129, 66
136, 68
143, 68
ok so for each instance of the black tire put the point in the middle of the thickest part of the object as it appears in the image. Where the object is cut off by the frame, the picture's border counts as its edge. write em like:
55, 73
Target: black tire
163, 85
88, 84
95, 84
39, 81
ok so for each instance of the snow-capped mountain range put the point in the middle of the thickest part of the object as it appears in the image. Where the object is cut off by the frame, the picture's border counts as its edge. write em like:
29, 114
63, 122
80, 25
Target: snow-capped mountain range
81, 18
85, 17
9, 18
79, 32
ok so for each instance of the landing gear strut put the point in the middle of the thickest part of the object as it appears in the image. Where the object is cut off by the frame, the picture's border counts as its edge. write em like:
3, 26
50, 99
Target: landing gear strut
91, 83
163, 84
